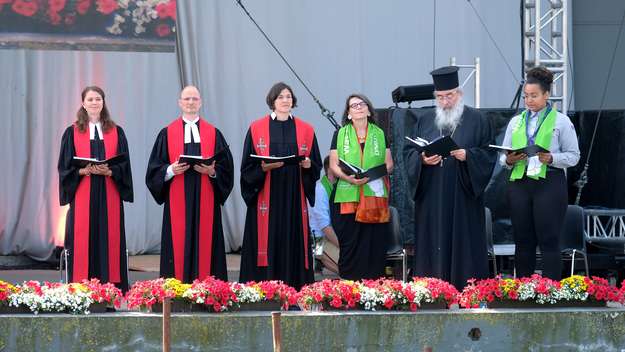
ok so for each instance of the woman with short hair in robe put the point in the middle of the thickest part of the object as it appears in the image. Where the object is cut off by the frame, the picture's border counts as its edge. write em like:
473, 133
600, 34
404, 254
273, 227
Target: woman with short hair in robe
276, 243
94, 228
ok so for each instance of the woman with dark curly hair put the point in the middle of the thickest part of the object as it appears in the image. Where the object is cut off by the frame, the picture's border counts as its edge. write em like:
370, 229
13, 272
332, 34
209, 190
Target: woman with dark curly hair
94, 228
537, 190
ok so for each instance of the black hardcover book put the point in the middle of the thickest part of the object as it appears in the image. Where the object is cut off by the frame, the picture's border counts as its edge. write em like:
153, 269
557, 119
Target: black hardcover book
114, 160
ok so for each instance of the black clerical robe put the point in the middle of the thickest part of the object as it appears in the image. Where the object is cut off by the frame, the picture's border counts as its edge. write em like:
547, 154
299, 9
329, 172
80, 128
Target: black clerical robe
94, 227
449, 236
192, 240
283, 252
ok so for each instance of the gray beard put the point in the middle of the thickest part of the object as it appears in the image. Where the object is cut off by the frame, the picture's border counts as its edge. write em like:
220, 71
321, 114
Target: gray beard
449, 119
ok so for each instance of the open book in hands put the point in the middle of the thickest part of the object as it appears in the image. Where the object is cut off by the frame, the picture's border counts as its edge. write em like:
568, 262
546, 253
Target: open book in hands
372, 173
114, 160
198, 159
440, 146
289, 159
530, 150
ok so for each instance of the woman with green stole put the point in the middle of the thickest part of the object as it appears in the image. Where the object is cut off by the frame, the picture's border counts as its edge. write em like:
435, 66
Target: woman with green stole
359, 210
537, 190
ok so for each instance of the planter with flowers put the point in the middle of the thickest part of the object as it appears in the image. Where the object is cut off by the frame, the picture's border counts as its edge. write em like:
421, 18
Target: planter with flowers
74, 298
264, 296
380, 294
149, 295
537, 291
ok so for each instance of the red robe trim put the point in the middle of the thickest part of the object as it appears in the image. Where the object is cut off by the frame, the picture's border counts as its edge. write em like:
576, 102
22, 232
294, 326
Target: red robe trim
260, 137
177, 211
82, 145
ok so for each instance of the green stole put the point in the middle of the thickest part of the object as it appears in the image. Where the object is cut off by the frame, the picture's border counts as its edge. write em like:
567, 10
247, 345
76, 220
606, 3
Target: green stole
327, 185
545, 127
348, 149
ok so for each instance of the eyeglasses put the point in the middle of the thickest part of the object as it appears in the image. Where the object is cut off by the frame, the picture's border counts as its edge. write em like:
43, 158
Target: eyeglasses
360, 105
447, 96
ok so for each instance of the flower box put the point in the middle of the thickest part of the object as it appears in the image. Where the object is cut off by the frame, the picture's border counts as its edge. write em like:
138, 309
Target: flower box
265, 306
533, 304
181, 306
7, 309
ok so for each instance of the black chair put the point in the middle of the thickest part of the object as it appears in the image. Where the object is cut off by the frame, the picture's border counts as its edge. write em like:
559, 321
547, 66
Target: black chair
572, 239
396, 250
490, 247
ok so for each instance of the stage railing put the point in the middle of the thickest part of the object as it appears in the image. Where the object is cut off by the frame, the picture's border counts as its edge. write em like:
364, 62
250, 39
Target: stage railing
605, 226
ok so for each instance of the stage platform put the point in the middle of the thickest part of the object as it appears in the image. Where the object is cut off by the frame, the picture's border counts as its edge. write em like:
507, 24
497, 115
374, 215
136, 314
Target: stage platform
557, 329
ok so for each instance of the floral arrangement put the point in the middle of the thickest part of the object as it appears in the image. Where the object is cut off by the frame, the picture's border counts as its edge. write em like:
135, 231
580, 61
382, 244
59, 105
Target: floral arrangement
144, 294
6, 290
72, 298
115, 17
265, 291
104, 293
377, 294
540, 290
337, 294
211, 292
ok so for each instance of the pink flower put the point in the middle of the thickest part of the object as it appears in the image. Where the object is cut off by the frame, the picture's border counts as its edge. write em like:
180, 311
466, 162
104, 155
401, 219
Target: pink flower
83, 6
163, 30
107, 6
25, 7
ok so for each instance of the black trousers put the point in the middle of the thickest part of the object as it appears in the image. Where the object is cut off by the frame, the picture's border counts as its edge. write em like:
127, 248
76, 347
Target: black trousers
537, 211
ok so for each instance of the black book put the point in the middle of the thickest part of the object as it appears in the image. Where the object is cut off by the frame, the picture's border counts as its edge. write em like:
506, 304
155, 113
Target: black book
441, 146
372, 173
289, 159
198, 159
530, 150
114, 160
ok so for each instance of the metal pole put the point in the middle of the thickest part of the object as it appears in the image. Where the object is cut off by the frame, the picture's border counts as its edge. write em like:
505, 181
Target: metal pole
537, 34
452, 61
565, 56
166, 325
277, 333
477, 83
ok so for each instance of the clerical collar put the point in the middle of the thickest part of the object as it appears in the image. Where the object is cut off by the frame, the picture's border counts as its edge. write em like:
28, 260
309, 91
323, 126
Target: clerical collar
92, 127
197, 118
191, 132
274, 116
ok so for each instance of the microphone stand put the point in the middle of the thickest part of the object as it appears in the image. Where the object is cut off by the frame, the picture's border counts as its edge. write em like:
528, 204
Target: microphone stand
329, 115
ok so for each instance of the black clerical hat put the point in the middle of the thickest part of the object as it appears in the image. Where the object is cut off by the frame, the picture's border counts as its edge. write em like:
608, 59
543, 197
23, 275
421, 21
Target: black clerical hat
445, 78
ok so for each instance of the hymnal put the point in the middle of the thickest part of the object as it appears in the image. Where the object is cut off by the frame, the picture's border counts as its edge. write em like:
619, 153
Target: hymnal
197, 159
289, 159
114, 160
530, 150
372, 173
441, 146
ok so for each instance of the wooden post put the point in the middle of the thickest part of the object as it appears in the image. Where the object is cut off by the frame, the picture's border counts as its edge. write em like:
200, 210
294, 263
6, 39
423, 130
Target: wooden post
277, 334
166, 325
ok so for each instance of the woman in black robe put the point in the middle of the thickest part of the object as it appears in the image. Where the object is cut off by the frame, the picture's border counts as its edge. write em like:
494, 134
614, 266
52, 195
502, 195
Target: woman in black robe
288, 254
95, 237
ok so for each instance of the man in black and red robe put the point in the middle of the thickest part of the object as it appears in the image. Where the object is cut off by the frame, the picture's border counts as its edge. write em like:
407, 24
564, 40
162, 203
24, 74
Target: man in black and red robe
192, 242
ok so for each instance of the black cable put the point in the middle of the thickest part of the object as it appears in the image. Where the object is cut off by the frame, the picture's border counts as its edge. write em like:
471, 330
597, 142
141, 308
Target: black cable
434, 36
583, 177
494, 42
325, 112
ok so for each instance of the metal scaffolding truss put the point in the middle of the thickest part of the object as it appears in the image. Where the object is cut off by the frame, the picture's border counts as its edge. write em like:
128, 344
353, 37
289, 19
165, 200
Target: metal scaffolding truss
475, 72
545, 34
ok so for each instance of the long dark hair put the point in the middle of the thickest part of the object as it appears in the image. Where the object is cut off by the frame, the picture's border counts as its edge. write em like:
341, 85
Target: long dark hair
82, 118
371, 118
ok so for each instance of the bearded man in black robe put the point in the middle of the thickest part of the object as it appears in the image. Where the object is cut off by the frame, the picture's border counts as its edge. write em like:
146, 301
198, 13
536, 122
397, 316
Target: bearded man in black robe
449, 237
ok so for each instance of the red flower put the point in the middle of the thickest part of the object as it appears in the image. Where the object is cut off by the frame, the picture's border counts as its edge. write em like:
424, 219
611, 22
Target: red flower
55, 18
83, 6
25, 7
167, 10
56, 5
107, 6
163, 30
